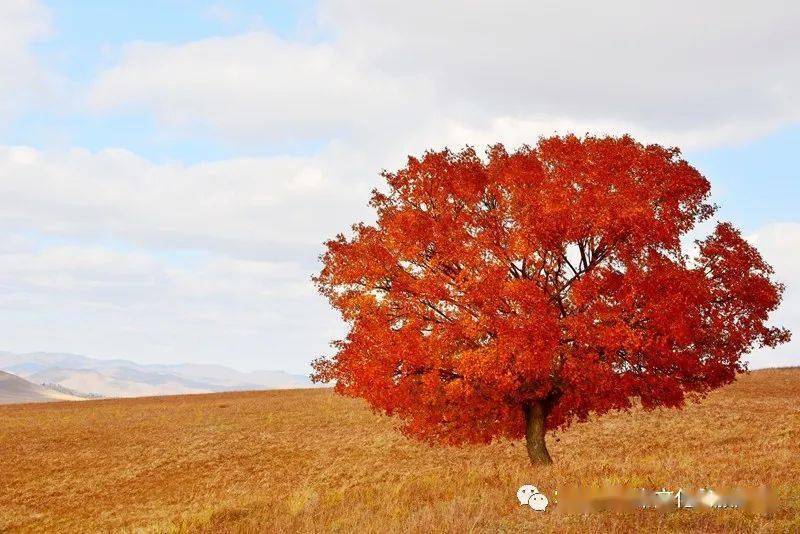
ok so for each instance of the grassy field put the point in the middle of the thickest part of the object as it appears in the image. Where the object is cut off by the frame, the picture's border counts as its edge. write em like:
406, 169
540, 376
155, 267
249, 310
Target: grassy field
307, 460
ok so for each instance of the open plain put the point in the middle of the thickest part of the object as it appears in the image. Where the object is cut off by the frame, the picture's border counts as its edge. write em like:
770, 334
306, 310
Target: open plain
309, 460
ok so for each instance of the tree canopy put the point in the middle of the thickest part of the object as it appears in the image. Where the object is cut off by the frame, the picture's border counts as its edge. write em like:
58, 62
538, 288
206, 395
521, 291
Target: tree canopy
558, 276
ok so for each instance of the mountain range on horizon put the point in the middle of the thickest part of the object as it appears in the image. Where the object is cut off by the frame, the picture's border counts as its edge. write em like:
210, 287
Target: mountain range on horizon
92, 377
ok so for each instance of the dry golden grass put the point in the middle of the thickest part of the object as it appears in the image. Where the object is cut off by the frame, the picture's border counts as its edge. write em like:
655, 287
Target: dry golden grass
312, 461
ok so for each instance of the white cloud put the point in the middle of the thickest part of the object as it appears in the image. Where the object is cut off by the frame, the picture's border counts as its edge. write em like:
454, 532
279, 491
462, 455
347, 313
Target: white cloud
688, 67
152, 308
71, 268
254, 85
248, 203
22, 77
207, 263
691, 74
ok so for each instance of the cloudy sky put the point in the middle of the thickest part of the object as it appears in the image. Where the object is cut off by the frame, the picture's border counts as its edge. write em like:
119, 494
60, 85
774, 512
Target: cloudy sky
168, 169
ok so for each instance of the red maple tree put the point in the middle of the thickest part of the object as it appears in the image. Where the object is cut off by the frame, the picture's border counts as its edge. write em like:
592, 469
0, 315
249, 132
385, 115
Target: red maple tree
510, 295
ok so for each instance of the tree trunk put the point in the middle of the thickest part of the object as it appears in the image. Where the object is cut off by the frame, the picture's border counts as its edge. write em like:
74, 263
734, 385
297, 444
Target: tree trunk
535, 416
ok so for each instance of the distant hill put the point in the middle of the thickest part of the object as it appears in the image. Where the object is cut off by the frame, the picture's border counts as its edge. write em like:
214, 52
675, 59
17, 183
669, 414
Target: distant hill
14, 390
124, 378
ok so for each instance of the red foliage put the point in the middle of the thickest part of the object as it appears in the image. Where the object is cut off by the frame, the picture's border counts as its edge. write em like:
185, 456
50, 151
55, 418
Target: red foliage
554, 273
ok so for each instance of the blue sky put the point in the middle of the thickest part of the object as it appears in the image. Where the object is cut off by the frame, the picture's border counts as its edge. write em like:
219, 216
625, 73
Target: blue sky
88, 36
169, 169
756, 183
